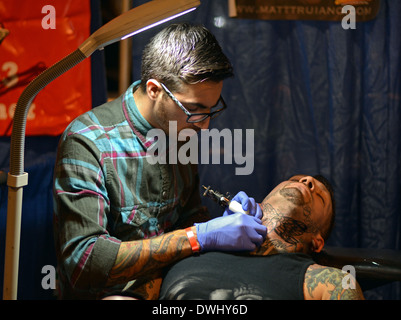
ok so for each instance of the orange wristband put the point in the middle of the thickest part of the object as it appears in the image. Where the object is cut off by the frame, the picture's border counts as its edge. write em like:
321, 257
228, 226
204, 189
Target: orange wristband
192, 240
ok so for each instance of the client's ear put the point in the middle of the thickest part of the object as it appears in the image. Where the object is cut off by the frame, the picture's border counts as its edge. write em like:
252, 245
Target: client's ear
317, 243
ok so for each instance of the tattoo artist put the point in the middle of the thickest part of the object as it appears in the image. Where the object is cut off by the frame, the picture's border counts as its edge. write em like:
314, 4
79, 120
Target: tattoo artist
118, 219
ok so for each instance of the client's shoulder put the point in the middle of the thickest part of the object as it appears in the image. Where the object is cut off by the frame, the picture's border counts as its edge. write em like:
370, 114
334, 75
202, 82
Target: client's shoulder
328, 283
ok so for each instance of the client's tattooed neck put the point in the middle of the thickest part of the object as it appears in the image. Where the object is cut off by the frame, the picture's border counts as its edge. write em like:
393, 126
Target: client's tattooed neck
284, 234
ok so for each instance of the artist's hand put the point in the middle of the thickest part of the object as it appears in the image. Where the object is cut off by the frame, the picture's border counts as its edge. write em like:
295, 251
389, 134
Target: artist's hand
248, 204
234, 232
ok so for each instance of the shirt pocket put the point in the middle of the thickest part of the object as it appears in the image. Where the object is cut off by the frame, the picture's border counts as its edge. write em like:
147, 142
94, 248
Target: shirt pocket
142, 222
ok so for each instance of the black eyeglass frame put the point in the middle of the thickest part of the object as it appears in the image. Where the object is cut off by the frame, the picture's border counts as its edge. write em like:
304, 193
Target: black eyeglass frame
206, 115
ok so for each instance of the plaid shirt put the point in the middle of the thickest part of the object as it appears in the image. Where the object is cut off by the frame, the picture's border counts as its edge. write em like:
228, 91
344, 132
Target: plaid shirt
105, 192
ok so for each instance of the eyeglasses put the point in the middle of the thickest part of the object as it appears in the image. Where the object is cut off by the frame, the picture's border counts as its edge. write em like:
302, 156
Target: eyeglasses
198, 117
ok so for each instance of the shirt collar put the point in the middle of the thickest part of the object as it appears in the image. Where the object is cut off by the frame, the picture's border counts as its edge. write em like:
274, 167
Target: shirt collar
135, 119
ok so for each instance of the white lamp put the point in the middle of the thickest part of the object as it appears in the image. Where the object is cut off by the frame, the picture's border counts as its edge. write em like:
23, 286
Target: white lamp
132, 22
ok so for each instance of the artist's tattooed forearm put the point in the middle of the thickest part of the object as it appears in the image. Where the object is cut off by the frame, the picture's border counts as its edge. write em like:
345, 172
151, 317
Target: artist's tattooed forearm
142, 257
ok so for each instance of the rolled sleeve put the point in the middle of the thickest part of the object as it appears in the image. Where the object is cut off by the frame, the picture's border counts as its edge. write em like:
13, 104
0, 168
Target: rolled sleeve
86, 251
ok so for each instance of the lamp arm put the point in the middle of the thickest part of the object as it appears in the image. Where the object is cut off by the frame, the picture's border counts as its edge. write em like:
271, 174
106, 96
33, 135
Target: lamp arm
17, 178
133, 21
24, 103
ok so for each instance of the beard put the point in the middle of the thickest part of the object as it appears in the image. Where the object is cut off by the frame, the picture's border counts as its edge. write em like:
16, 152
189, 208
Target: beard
293, 195
163, 118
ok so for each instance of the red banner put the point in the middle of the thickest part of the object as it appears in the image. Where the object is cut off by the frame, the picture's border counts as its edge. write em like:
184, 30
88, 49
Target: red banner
33, 36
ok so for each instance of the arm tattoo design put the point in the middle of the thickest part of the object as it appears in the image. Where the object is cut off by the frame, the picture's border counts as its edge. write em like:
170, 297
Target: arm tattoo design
332, 281
144, 257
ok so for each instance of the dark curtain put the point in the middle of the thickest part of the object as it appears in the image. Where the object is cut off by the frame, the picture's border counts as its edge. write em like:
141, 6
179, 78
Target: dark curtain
321, 100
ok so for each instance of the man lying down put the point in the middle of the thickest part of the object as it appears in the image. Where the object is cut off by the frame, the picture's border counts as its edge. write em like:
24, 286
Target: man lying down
299, 216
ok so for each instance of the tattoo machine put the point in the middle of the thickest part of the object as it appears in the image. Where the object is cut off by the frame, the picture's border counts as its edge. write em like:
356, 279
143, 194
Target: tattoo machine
224, 200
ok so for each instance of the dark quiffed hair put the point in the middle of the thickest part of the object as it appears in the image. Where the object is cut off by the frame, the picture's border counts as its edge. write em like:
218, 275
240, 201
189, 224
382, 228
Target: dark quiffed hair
184, 54
328, 227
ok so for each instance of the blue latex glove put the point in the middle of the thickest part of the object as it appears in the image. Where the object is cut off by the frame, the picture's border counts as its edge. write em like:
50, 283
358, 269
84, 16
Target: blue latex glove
234, 232
248, 204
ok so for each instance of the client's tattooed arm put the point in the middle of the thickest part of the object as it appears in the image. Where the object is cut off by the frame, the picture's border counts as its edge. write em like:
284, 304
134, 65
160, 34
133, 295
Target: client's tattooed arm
326, 283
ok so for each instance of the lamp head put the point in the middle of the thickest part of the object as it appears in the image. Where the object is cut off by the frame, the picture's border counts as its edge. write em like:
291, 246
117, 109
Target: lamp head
136, 20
